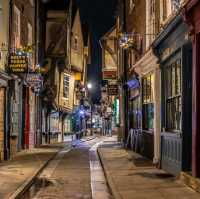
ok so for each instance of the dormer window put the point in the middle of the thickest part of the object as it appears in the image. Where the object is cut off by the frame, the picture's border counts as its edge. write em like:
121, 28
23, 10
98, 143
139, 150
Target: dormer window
76, 43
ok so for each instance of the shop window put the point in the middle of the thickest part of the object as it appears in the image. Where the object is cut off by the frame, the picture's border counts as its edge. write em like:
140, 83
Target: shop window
173, 96
135, 121
66, 86
147, 102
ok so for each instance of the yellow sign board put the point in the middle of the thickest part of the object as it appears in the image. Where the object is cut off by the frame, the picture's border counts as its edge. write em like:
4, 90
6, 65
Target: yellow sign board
77, 76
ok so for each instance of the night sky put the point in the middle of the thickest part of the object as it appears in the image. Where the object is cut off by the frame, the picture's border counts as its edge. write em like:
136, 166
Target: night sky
100, 15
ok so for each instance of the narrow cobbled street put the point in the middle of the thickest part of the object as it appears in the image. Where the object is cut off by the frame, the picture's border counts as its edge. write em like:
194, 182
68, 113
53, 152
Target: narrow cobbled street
99, 99
99, 168
75, 173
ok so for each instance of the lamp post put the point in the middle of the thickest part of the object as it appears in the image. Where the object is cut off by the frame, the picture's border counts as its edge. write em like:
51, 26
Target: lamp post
89, 86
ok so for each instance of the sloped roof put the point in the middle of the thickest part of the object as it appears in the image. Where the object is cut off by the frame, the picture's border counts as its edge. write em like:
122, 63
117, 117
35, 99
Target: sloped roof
85, 32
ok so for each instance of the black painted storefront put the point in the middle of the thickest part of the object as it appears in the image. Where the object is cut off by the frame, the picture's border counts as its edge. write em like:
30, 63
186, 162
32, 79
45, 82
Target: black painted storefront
174, 50
139, 140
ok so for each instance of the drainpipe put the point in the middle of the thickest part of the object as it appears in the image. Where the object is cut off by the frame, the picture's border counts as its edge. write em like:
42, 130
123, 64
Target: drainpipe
7, 96
125, 91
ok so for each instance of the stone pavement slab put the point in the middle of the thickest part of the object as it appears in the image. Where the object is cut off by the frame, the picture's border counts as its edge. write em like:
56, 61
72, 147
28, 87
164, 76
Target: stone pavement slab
17, 173
131, 176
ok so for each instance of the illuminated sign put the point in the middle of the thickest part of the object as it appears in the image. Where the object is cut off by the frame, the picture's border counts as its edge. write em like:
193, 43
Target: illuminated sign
116, 111
18, 63
34, 79
109, 74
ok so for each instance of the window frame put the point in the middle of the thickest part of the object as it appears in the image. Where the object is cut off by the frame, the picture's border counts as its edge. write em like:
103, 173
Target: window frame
173, 96
66, 86
75, 46
147, 102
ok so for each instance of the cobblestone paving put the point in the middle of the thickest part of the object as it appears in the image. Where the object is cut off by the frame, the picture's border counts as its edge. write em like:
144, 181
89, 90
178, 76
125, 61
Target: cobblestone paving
70, 178
75, 174
14, 173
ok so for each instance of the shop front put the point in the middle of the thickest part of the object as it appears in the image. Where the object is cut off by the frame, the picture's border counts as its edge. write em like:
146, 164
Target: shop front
32, 106
174, 51
134, 115
54, 127
191, 15
149, 73
4, 139
14, 111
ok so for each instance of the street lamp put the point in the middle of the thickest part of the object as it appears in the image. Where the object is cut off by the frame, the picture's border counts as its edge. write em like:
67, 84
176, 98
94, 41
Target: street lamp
89, 86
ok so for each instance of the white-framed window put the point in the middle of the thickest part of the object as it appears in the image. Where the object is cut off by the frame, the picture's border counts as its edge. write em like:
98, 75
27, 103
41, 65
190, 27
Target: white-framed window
168, 7
17, 27
66, 80
175, 5
150, 21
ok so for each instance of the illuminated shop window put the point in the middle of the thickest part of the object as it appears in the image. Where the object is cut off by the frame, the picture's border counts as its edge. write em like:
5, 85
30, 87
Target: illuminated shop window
147, 102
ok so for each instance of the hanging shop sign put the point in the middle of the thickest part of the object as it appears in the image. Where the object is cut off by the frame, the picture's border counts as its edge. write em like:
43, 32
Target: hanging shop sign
18, 63
133, 83
109, 74
113, 89
77, 76
33, 79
